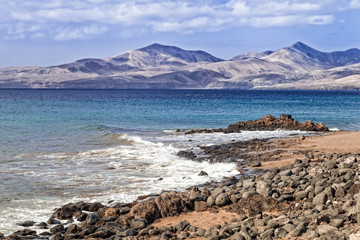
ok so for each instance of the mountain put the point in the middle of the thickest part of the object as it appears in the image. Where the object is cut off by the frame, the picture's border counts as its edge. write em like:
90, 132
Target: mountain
307, 58
297, 66
157, 55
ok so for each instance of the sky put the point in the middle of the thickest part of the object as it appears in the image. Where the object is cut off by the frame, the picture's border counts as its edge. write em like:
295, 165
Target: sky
52, 32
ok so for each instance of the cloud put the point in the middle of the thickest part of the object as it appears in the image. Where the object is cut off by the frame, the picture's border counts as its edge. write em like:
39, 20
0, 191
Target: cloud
355, 4
80, 19
82, 32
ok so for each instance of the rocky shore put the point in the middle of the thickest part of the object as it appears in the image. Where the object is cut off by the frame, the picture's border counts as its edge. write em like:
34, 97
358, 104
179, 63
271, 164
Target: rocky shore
311, 199
314, 197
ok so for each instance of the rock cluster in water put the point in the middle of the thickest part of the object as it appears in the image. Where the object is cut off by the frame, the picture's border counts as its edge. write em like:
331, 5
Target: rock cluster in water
268, 123
314, 198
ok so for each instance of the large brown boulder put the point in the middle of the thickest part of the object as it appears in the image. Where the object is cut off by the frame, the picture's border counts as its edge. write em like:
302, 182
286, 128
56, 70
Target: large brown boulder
147, 209
172, 204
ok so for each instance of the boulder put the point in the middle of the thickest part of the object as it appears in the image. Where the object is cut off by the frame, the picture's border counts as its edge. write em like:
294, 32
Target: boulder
172, 204
147, 209
264, 188
138, 223
67, 211
222, 200
180, 226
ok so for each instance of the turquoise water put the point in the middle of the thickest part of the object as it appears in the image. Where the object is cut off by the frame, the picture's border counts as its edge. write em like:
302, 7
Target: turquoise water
58, 145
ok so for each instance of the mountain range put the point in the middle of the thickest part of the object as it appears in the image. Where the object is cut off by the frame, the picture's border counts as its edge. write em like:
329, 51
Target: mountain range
167, 67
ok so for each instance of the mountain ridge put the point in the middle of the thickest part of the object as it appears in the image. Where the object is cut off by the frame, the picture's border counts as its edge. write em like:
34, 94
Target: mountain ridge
297, 66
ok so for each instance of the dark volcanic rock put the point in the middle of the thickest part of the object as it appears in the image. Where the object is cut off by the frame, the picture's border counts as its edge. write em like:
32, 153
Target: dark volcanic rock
26, 224
270, 123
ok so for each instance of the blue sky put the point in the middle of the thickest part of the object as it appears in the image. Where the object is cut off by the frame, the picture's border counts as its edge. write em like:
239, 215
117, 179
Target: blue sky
51, 32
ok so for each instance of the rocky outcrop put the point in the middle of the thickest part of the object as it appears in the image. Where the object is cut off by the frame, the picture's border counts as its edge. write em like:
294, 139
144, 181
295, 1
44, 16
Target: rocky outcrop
267, 123
270, 123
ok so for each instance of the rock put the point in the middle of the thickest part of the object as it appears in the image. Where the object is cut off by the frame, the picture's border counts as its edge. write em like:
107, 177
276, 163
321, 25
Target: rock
212, 231
337, 222
264, 188
57, 229
26, 224
172, 204
91, 219
73, 228
248, 194
210, 200
180, 226
111, 212
280, 233
255, 164
222, 200
270, 123
320, 198
143, 232
281, 220
202, 173
301, 194
248, 183
267, 234
43, 225
186, 154
324, 229
200, 206
201, 232
44, 234
183, 235
237, 236
67, 211
147, 209
103, 233
301, 228
217, 192
29, 234
310, 234
196, 196
154, 232
138, 223
57, 236
52, 220
340, 192
129, 232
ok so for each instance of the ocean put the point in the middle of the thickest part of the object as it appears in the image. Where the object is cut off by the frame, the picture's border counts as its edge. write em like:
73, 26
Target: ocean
61, 146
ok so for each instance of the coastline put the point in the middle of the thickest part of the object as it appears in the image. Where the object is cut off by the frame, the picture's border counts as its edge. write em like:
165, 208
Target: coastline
310, 151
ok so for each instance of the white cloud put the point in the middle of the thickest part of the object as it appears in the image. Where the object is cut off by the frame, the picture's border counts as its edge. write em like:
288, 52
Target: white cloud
79, 19
78, 32
354, 4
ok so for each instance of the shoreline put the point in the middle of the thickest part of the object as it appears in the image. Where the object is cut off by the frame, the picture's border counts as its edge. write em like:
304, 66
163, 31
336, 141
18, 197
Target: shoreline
309, 151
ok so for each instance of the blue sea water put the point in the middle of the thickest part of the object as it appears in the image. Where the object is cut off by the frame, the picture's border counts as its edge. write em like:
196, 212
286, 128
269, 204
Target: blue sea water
62, 145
